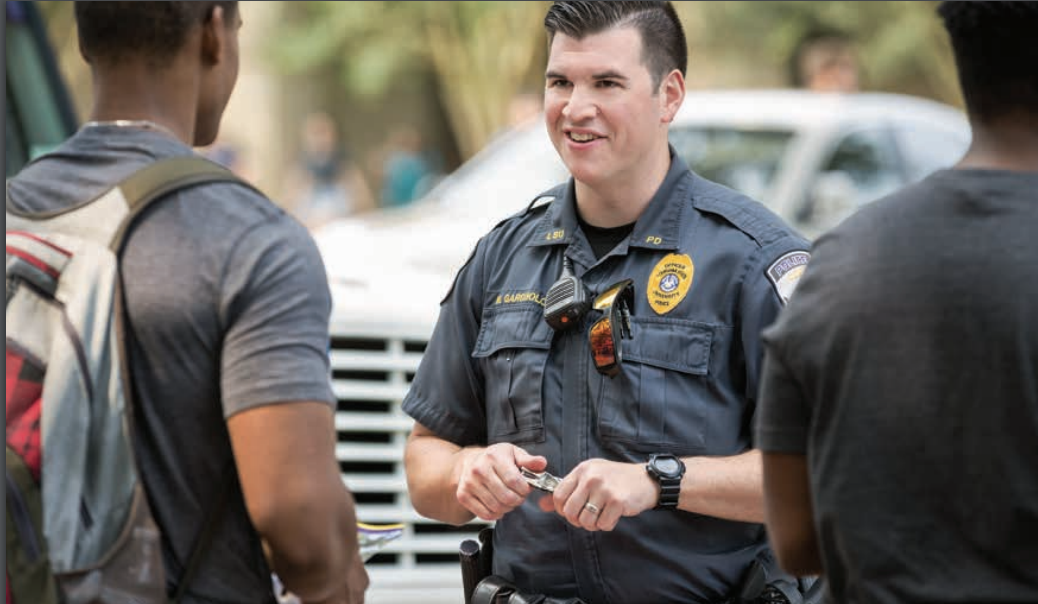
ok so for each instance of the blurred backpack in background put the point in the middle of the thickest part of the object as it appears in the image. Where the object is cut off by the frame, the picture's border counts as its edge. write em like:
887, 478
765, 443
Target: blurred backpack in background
79, 528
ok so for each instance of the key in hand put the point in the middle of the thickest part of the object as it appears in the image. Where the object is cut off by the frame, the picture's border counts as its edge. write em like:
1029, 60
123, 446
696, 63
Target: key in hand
541, 480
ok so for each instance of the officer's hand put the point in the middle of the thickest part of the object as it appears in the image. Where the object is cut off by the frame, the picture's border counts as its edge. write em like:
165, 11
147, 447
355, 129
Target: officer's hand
615, 489
490, 484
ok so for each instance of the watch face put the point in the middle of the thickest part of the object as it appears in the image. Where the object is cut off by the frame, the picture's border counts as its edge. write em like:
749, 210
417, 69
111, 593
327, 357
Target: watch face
667, 466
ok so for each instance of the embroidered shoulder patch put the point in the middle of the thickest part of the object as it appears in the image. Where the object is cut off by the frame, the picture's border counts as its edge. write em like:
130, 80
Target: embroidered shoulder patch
785, 273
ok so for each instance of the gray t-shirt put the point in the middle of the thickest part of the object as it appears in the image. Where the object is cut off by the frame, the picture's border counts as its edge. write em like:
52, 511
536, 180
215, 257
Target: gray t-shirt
906, 368
228, 307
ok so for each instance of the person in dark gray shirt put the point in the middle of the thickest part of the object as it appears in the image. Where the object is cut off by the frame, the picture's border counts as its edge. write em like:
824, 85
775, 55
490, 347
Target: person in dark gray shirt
227, 308
899, 401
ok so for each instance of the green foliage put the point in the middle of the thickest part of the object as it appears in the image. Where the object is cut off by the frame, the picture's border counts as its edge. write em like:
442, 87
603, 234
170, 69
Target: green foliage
481, 52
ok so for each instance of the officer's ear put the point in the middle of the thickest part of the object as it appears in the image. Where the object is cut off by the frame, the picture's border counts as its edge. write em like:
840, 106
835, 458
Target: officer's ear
671, 94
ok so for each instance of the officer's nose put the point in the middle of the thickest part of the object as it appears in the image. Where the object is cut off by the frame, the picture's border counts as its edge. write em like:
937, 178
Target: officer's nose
580, 106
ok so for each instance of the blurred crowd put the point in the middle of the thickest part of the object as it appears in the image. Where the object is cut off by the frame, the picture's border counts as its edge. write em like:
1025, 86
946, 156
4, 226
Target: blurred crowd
328, 180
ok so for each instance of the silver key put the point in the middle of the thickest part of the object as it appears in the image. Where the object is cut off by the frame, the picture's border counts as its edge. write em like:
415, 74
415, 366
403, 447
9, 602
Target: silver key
541, 480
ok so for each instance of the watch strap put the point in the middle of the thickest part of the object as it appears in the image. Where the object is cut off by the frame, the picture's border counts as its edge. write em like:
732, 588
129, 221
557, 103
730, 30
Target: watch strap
670, 492
670, 486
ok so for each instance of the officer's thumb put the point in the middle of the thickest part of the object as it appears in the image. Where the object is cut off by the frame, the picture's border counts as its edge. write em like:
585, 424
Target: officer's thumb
534, 463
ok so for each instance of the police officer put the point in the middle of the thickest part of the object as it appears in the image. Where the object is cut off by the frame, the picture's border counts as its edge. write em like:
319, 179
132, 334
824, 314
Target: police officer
660, 499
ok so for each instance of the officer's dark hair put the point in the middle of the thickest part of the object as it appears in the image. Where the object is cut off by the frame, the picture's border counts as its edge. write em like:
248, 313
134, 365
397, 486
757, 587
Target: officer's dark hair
996, 55
664, 47
111, 32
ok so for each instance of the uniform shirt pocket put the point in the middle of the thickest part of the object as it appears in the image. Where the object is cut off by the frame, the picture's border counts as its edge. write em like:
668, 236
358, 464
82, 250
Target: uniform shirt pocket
661, 398
512, 347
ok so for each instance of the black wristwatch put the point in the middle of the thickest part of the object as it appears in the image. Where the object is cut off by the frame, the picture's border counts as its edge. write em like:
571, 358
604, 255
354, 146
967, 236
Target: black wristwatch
667, 470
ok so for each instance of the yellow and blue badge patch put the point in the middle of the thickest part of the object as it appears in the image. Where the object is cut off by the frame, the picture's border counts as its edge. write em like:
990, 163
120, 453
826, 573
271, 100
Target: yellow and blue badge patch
785, 273
669, 282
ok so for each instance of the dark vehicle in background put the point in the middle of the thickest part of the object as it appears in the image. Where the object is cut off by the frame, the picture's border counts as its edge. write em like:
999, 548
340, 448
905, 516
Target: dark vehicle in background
38, 111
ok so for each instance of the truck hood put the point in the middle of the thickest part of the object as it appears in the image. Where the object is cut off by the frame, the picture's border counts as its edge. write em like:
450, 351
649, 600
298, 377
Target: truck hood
395, 266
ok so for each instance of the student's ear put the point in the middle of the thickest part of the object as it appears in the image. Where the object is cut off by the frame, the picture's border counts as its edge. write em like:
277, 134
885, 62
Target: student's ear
214, 37
672, 94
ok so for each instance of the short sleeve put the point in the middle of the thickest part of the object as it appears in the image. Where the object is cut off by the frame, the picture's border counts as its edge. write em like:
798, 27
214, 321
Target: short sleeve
770, 279
784, 413
761, 299
447, 394
783, 416
275, 305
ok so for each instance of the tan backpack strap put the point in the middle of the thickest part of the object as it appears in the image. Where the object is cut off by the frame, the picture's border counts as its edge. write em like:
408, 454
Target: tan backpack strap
165, 176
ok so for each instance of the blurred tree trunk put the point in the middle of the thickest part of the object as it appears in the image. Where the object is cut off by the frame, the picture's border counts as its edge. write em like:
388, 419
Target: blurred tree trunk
482, 53
482, 58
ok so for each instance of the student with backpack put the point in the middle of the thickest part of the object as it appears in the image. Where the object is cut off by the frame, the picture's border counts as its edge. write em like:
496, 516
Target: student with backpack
219, 323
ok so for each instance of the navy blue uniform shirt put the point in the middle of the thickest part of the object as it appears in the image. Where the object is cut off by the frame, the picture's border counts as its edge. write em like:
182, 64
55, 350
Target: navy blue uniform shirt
708, 266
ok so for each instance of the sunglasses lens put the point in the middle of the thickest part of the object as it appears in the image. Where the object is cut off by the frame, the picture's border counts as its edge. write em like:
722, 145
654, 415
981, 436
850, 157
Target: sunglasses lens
603, 346
606, 333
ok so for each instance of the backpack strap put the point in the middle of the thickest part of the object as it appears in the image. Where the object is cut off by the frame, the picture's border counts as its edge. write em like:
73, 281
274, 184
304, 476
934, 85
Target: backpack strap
165, 176
140, 190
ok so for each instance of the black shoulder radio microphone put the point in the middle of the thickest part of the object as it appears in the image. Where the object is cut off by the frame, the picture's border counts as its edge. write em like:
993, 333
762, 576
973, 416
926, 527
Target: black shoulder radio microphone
567, 299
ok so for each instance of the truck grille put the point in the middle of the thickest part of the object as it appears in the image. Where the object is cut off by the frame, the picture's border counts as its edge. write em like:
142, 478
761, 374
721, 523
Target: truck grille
370, 376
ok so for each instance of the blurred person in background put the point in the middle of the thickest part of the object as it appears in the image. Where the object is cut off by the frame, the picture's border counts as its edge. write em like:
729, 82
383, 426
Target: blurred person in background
326, 183
230, 155
227, 308
660, 499
899, 405
408, 171
825, 60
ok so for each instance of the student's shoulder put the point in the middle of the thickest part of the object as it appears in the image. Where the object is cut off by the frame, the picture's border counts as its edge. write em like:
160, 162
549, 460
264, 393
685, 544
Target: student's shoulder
238, 198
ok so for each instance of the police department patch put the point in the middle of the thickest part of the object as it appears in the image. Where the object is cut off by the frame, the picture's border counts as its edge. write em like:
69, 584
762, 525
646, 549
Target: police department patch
668, 285
785, 273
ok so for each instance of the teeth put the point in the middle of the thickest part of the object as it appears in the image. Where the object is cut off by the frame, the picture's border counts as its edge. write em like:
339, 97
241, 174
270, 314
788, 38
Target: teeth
581, 138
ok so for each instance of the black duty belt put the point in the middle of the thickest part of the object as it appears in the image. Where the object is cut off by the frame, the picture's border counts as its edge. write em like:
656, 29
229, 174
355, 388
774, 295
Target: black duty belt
496, 590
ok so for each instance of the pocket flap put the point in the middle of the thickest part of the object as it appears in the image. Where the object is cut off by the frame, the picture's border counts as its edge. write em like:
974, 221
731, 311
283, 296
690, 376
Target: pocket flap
512, 327
676, 344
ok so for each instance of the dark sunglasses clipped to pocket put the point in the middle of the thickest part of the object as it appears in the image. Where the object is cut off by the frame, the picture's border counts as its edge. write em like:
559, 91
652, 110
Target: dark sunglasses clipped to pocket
608, 333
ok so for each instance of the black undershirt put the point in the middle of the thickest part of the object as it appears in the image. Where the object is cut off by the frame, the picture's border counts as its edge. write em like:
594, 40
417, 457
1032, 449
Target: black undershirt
603, 240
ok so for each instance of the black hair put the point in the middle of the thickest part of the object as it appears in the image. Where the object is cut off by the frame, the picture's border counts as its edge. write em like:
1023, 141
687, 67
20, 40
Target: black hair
110, 32
996, 54
664, 47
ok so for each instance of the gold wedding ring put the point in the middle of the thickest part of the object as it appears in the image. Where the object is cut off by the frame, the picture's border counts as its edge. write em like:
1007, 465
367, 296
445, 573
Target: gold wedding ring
591, 507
